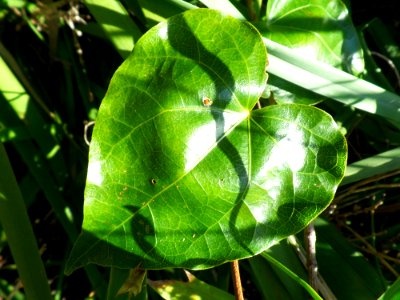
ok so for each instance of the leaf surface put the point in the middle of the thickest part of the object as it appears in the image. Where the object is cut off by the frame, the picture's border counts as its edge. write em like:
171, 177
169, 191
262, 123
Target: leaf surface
182, 172
319, 29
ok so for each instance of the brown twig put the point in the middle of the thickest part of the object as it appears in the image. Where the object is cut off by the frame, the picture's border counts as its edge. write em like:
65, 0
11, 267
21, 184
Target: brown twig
350, 190
312, 267
237, 284
365, 210
376, 253
322, 286
376, 187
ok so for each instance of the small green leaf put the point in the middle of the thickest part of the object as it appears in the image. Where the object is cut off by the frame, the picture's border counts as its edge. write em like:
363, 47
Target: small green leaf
193, 289
182, 171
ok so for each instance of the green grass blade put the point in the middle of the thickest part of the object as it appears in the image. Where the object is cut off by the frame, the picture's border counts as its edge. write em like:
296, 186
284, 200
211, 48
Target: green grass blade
393, 293
285, 254
136, 9
17, 108
292, 275
162, 9
15, 221
35, 138
344, 269
225, 6
39, 169
379, 164
332, 83
10, 69
116, 23
265, 279
21, 106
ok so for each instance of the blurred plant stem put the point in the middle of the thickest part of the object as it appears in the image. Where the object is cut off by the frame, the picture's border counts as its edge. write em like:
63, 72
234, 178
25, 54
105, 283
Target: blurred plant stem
20, 237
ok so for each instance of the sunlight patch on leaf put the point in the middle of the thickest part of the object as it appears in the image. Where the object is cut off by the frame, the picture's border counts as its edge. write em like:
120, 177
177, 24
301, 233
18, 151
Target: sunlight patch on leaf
163, 32
205, 138
94, 175
289, 151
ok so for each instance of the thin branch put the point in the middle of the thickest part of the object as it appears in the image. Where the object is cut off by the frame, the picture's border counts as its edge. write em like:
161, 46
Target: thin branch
85, 134
322, 286
390, 64
312, 266
363, 211
350, 190
376, 187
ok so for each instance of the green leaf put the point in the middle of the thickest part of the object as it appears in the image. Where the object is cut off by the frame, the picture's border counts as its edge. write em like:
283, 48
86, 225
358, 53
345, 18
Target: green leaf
287, 92
318, 29
182, 172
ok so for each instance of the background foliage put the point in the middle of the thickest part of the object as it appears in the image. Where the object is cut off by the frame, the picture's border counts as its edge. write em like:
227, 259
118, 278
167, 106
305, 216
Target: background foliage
57, 58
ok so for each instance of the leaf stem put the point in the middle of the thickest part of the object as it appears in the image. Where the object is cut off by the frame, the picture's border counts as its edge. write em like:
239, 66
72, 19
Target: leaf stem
237, 284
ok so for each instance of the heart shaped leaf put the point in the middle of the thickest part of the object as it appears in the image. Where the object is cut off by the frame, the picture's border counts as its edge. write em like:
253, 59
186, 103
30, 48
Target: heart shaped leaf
182, 172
